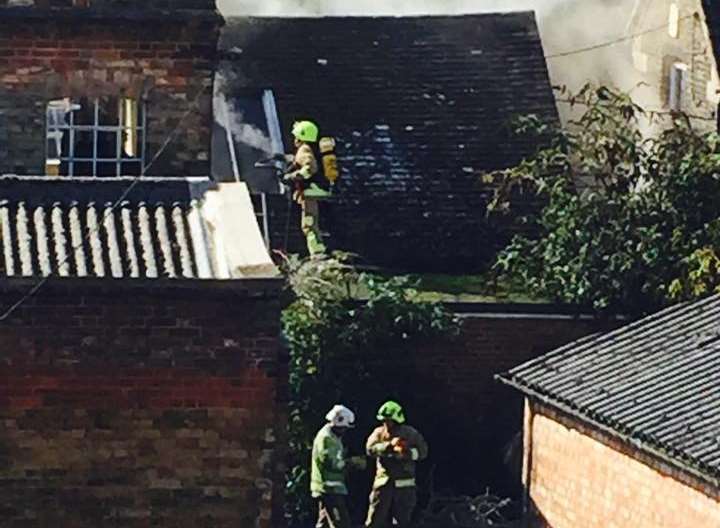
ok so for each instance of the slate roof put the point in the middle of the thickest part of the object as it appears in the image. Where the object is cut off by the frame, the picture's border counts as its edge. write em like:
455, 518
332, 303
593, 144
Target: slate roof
655, 383
65, 227
421, 107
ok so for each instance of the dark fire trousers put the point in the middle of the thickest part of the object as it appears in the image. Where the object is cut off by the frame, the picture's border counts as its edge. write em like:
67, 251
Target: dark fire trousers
388, 503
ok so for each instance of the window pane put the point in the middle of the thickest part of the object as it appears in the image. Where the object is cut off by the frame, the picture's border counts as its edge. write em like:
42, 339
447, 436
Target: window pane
107, 145
54, 144
83, 144
131, 168
73, 135
82, 169
85, 115
109, 111
105, 169
129, 118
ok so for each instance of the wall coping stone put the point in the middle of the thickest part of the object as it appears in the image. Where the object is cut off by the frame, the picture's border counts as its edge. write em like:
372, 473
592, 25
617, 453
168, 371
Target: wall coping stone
98, 13
265, 287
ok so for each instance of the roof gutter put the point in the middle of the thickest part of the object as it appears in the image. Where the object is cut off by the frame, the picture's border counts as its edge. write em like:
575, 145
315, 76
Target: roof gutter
644, 446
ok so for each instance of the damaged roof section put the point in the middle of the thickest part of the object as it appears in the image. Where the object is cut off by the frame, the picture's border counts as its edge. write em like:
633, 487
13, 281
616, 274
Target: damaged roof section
165, 228
421, 107
655, 383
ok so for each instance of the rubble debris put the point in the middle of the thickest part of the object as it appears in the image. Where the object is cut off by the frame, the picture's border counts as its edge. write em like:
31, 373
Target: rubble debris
484, 511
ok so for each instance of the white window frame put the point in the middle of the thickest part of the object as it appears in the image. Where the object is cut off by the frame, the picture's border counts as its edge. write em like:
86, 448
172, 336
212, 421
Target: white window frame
674, 21
56, 131
677, 84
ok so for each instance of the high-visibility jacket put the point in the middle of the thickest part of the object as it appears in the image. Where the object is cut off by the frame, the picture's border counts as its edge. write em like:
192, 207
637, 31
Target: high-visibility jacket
327, 472
393, 468
304, 167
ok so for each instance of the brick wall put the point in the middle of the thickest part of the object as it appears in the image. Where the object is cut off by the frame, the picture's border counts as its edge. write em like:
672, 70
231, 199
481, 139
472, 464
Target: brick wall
122, 4
581, 477
165, 60
486, 415
141, 406
471, 421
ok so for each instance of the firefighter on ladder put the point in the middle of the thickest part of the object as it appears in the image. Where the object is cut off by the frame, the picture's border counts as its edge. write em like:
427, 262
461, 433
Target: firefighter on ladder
303, 171
397, 447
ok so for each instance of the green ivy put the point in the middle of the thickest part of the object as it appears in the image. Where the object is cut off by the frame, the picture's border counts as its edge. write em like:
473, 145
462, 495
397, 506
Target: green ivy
624, 215
340, 319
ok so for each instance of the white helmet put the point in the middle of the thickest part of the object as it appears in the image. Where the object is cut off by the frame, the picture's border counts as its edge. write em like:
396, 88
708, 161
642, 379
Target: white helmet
341, 416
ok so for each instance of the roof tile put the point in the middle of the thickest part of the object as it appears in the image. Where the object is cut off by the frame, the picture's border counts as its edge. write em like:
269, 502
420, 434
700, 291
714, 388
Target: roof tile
656, 381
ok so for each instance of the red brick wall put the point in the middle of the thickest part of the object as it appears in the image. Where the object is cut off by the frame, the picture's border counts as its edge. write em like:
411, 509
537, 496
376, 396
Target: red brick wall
580, 477
166, 62
473, 422
141, 406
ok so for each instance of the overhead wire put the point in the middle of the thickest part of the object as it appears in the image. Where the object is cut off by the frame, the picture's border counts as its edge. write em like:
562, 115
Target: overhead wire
612, 42
136, 180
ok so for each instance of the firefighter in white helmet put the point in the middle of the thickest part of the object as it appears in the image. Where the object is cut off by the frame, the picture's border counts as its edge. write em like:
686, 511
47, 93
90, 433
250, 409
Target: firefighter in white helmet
328, 466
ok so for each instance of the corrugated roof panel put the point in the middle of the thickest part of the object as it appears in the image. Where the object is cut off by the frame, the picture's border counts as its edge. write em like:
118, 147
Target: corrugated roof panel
75, 227
657, 381
76, 239
52, 226
60, 239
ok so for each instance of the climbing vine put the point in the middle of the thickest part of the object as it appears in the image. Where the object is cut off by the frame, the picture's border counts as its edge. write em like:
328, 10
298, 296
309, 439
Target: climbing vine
340, 323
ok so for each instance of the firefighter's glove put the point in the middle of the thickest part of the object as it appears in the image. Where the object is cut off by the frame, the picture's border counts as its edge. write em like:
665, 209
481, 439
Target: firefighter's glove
358, 462
399, 447
382, 448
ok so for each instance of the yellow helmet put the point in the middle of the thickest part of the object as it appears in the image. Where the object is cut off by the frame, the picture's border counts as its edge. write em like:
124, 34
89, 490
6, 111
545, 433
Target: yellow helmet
306, 131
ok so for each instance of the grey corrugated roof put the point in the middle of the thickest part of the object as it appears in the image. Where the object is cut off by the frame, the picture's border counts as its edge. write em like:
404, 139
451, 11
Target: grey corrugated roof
655, 382
67, 227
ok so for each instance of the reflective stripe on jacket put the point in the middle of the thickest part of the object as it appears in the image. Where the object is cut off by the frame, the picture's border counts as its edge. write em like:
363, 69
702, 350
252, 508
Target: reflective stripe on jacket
327, 471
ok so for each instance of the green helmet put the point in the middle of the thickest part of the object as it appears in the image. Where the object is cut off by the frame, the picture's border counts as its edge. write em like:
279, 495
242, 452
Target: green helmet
306, 131
391, 410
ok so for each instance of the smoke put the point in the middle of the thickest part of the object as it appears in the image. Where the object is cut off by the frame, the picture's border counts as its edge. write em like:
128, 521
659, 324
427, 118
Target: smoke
226, 113
565, 26
378, 7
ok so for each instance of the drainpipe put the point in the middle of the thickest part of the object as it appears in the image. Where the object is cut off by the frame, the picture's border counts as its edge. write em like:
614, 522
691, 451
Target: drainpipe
528, 419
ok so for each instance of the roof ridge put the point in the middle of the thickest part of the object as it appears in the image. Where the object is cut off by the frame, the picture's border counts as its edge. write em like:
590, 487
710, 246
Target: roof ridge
413, 16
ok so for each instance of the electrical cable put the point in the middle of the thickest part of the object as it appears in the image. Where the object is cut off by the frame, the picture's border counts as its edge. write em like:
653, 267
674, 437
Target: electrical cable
612, 42
137, 179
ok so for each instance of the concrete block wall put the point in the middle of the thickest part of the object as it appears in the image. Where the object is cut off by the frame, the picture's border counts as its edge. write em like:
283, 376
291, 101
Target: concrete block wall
581, 477
166, 60
142, 407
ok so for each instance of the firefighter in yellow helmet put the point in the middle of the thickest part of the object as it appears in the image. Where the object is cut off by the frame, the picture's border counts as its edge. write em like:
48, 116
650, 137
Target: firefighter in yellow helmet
303, 170
397, 447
